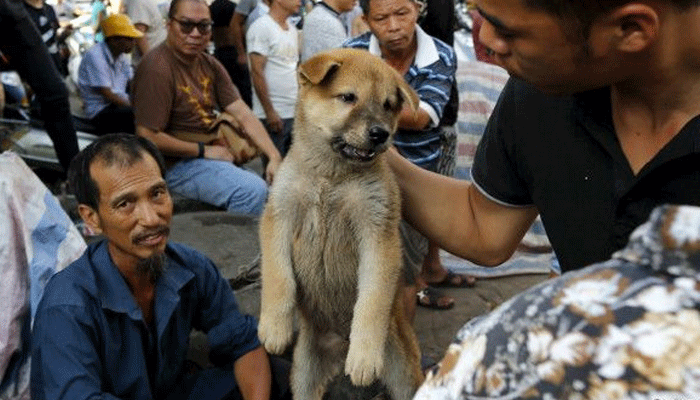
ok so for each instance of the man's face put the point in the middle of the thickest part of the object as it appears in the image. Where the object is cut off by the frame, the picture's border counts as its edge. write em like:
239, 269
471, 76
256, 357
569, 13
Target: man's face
122, 45
195, 41
393, 22
134, 209
533, 45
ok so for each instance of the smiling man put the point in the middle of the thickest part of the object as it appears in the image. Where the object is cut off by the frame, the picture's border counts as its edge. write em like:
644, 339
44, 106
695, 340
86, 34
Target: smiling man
116, 323
177, 92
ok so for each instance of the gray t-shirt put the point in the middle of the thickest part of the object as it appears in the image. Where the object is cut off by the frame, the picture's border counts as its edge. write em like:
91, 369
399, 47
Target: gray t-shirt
323, 30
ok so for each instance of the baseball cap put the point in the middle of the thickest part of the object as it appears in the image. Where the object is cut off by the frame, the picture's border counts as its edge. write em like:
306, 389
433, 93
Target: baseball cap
119, 25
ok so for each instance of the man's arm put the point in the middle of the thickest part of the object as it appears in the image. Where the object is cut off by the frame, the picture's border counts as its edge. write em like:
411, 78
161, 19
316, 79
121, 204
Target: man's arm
237, 26
172, 146
465, 222
65, 361
418, 120
254, 130
257, 73
252, 372
112, 97
142, 42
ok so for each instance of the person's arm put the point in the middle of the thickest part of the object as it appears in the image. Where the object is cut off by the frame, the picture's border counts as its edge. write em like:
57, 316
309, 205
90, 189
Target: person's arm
257, 74
256, 132
237, 26
418, 120
172, 146
464, 221
252, 372
142, 43
112, 97
65, 360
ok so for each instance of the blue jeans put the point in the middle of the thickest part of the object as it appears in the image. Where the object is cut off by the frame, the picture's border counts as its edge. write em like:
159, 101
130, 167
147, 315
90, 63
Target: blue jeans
218, 183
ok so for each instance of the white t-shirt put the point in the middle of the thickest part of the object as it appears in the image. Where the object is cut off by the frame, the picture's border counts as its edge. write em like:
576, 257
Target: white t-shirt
281, 48
151, 13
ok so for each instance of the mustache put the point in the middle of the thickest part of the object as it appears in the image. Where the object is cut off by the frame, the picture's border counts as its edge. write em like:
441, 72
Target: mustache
161, 230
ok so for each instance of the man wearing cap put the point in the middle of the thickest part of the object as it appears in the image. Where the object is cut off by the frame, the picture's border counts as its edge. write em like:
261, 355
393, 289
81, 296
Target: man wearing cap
104, 75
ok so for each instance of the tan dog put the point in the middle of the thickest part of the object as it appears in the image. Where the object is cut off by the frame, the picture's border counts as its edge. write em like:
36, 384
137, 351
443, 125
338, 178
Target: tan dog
330, 232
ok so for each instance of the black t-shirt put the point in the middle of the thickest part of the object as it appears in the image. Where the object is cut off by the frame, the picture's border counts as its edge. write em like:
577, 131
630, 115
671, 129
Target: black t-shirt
561, 154
222, 12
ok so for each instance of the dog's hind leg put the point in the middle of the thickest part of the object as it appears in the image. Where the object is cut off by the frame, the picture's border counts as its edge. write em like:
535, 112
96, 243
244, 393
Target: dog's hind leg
402, 374
317, 359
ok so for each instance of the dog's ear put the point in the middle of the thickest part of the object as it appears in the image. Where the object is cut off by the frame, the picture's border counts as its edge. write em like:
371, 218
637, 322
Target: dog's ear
318, 68
407, 93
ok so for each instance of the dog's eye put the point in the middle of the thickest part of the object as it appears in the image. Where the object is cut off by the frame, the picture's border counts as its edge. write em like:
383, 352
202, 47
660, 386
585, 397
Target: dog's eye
348, 97
387, 105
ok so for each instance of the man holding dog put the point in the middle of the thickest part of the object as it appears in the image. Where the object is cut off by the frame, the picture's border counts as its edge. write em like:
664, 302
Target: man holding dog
596, 127
177, 90
429, 66
116, 323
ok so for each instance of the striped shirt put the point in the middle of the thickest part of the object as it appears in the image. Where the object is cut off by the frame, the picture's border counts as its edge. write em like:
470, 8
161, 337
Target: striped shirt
431, 75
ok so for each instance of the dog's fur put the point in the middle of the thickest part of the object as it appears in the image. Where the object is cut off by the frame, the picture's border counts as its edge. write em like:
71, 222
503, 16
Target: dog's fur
330, 238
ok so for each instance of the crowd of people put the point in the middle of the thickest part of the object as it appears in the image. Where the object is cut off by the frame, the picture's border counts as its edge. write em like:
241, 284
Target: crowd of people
594, 130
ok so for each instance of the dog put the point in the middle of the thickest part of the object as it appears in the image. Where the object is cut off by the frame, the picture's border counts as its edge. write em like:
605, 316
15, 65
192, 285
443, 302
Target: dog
329, 234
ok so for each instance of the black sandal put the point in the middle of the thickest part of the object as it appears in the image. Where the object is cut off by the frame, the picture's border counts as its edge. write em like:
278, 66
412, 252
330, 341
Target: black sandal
430, 298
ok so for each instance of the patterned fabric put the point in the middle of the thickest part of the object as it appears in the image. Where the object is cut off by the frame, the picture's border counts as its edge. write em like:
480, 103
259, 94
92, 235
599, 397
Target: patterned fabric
628, 328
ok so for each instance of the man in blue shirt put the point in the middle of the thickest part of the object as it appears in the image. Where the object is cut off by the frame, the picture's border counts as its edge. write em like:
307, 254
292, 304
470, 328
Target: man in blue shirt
116, 323
104, 75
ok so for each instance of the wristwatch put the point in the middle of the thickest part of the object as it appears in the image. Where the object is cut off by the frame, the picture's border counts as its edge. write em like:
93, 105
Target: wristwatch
201, 150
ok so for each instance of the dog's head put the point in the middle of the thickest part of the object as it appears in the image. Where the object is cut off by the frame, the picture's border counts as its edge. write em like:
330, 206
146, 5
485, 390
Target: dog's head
350, 101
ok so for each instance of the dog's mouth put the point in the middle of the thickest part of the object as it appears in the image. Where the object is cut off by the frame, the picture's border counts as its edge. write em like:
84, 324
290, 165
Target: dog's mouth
353, 153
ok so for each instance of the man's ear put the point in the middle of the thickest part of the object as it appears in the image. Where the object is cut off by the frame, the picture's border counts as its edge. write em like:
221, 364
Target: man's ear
636, 26
90, 217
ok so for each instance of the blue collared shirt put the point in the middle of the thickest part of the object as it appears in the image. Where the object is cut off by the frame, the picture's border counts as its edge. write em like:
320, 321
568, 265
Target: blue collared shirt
90, 339
99, 69
431, 75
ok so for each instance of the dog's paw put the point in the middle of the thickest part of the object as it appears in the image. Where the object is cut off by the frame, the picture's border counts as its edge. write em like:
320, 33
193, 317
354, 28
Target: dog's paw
364, 364
275, 333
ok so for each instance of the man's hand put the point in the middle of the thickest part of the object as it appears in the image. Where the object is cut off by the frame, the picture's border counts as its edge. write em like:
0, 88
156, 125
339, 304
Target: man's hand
274, 122
271, 170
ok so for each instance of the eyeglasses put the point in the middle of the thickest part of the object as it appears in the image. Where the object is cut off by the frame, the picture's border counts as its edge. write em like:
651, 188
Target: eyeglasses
204, 27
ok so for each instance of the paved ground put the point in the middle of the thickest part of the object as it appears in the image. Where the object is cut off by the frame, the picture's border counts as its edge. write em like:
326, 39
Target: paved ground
232, 242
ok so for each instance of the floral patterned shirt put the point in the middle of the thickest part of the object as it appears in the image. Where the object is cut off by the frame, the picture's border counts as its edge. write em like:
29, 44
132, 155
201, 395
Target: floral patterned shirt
628, 328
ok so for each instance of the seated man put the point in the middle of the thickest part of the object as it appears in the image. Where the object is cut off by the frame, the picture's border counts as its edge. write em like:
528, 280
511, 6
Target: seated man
628, 328
104, 74
429, 66
177, 90
116, 322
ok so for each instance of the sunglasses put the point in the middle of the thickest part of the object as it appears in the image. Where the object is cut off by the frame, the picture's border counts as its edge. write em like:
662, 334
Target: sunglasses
204, 27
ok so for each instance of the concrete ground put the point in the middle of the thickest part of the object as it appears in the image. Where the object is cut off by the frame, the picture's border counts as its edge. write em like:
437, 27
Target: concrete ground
232, 243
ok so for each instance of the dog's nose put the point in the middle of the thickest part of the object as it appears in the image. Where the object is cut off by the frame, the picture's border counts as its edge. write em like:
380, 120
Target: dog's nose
378, 135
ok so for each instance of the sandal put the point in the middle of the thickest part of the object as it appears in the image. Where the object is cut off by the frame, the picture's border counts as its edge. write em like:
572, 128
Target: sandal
433, 298
455, 280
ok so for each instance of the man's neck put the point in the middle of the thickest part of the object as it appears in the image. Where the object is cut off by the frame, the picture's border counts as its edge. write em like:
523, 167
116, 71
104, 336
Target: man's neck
401, 61
647, 115
35, 3
332, 4
279, 15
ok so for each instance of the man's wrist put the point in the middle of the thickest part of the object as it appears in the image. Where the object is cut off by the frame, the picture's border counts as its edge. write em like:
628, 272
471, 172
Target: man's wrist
200, 151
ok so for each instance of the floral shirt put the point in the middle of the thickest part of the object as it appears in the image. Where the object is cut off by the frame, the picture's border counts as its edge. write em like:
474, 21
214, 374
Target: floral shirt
628, 328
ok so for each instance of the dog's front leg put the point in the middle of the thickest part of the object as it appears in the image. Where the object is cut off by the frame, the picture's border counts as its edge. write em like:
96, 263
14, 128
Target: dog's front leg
379, 267
278, 292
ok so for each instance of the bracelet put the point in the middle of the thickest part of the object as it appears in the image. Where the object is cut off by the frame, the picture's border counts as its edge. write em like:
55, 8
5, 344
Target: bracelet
201, 150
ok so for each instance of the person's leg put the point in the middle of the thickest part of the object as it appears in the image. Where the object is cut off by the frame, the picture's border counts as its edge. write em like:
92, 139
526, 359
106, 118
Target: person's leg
114, 119
239, 74
282, 139
218, 183
28, 55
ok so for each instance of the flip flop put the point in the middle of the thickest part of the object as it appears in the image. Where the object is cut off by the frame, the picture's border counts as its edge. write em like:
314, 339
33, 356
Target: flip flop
430, 298
449, 280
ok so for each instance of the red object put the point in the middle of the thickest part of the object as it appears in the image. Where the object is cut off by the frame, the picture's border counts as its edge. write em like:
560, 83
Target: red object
479, 48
